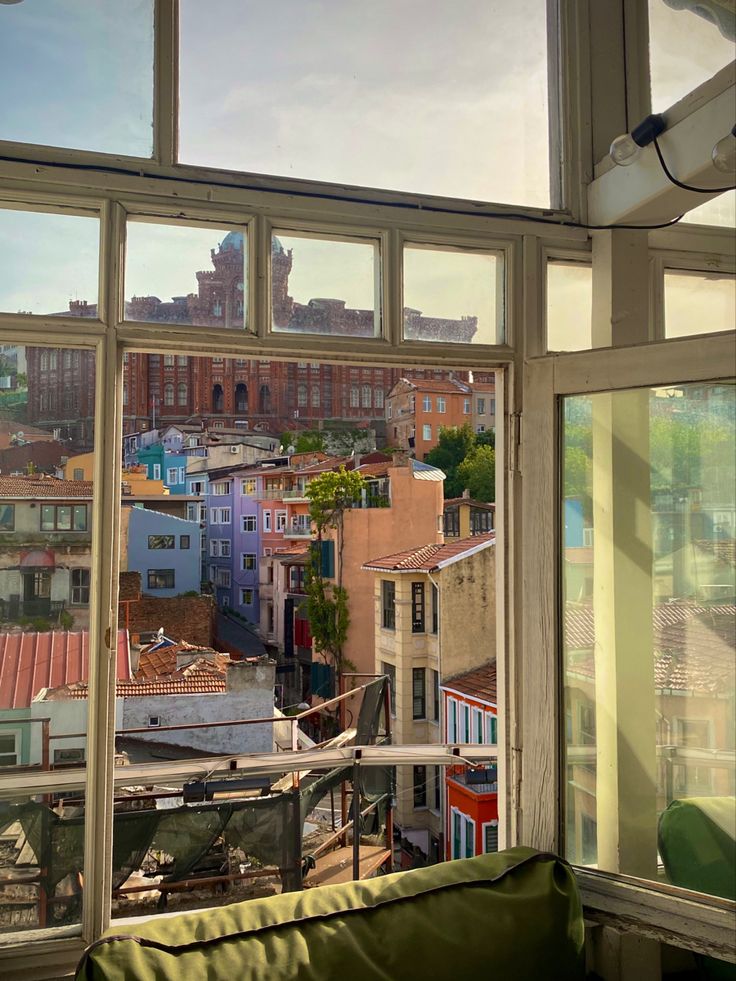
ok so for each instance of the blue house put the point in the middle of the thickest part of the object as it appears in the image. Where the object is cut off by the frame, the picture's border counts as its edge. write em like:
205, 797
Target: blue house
165, 550
166, 466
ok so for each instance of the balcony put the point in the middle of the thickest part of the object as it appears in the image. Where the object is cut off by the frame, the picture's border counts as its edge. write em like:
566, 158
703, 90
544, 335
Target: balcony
297, 495
270, 494
15, 608
298, 528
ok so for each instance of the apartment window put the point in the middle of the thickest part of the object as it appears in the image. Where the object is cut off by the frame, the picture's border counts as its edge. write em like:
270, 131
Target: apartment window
378, 398
248, 487
267, 521
247, 561
220, 516
451, 522
477, 725
452, 733
354, 397
246, 597
161, 579
70, 756
168, 394
301, 396
418, 693
80, 587
78, 474
436, 787
156, 471
420, 786
463, 835
315, 398
481, 521
441, 404
417, 607
215, 548
427, 403
465, 732
366, 396
426, 432
225, 548
7, 517
481, 408
172, 475
168, 361
281, 521
64, 517
389, 411
388, 604
435, 676
220, 488
466, 407
250, 523
222, 578
490, 837
184, 541
435, 608
390, 671
8, 749
161, 541
491, 729
492, 409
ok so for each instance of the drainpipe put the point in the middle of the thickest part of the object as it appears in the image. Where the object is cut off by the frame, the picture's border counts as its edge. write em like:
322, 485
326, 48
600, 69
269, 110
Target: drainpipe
443, 734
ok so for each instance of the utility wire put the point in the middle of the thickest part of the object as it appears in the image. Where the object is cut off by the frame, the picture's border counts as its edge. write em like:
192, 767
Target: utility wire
688, 187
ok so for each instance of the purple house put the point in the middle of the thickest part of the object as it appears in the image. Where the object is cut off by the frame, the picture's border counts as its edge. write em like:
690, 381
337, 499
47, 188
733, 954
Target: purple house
246, 538
220, 508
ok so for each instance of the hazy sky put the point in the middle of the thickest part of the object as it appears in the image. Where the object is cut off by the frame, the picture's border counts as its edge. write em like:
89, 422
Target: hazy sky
426, 95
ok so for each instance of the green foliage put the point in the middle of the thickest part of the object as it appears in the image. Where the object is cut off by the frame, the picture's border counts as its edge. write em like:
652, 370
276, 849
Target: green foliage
308, 441
477, 473
66, 620
330, 495
486, 438
41, 624
455, 442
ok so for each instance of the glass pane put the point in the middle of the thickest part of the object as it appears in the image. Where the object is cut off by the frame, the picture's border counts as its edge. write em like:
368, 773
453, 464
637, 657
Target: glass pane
46, 427
649, 517
87, 75
179, 274
719, 211
698, 302
42, 862
688, 44
65, 247
439, 99
569, 306
453, 295
324, 286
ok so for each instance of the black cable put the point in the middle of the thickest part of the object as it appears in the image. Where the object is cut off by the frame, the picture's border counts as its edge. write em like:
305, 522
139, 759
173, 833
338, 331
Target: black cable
292, 192
688, 187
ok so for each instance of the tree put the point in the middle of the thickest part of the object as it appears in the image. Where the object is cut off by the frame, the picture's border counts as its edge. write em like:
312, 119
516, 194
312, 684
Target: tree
455, 442
330, 495
309, 441
477, 473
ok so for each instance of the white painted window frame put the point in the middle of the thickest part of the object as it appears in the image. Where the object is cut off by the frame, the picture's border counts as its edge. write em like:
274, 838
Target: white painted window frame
114, 186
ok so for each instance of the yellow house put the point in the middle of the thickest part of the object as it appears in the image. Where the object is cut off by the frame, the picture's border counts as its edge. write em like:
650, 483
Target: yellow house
135, 480
464, 516
434, 618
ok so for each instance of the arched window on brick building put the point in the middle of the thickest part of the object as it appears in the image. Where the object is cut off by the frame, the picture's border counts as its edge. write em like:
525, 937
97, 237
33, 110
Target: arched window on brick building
183, 393
378, 398
367, 396
315, 398
354, 396
168, 394
264, 400
301, 395
241, 397
218, 398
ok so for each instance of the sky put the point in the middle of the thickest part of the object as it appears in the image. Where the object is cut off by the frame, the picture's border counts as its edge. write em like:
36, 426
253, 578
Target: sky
425, 95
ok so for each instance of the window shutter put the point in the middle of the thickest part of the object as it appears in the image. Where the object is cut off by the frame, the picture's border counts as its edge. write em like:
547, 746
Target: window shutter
328, 559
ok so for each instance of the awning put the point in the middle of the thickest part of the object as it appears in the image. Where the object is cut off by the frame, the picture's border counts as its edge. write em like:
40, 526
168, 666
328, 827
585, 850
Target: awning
38, 558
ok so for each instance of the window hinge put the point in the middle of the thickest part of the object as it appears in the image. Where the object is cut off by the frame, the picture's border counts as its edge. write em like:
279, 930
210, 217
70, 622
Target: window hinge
515, 442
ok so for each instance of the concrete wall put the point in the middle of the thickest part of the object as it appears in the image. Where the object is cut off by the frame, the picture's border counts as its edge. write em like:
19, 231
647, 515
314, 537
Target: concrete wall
66, 715
249, 696
468, 612
412, 520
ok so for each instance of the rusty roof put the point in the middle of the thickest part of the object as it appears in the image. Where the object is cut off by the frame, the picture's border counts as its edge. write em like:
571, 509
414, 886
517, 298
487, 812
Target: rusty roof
30, 662
198, 678
450, 387
479, 682
39, 485
427, 558
162, 661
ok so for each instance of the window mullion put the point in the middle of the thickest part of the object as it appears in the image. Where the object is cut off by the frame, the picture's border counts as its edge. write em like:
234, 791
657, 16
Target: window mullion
103, 619
166, 82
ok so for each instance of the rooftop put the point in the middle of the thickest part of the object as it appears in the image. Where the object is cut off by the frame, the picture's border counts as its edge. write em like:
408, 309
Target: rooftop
199, 678
428, 558
487, 506
44, 486
479, 683
31, 662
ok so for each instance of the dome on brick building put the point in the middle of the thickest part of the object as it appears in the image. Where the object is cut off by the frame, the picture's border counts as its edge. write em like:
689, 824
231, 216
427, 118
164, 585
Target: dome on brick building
233, 242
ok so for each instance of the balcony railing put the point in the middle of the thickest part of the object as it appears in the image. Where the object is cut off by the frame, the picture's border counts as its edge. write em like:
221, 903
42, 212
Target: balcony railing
298, 529
15, 608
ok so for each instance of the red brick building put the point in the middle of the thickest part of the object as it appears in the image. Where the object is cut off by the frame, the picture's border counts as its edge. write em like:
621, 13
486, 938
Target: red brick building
276, 395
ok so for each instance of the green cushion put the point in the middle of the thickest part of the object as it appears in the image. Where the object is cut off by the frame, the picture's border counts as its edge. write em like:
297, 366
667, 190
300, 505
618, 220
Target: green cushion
516, 913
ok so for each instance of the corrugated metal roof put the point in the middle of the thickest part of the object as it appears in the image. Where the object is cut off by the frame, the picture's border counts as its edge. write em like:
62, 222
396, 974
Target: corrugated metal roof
30, 662
427, 558
424, 471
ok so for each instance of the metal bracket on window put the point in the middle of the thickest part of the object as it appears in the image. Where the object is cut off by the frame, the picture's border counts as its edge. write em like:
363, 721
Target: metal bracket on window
514, 434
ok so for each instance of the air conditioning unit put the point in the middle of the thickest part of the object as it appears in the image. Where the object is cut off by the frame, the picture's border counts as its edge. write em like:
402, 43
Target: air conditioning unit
235, 449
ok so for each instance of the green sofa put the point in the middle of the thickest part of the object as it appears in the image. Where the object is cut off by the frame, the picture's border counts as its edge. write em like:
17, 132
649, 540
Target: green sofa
515, 914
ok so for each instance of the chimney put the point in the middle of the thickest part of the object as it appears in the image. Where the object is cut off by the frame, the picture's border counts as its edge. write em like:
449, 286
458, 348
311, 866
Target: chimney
466, 494
400, 458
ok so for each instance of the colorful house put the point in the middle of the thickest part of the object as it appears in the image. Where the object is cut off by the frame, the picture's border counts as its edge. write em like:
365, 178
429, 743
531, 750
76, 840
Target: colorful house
164, 465
470, 712
164, 549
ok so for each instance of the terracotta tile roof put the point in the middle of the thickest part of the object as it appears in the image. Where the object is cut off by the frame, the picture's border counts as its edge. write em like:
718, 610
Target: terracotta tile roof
374, 469
30, 662
427, 558
298, 548
480, 682
453, 387
198, 678
470, 500
163, 660
41, 486
693, 646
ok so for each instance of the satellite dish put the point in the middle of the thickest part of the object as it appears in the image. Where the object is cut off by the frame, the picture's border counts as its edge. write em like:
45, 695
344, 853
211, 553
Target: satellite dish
160, 633
20, 434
